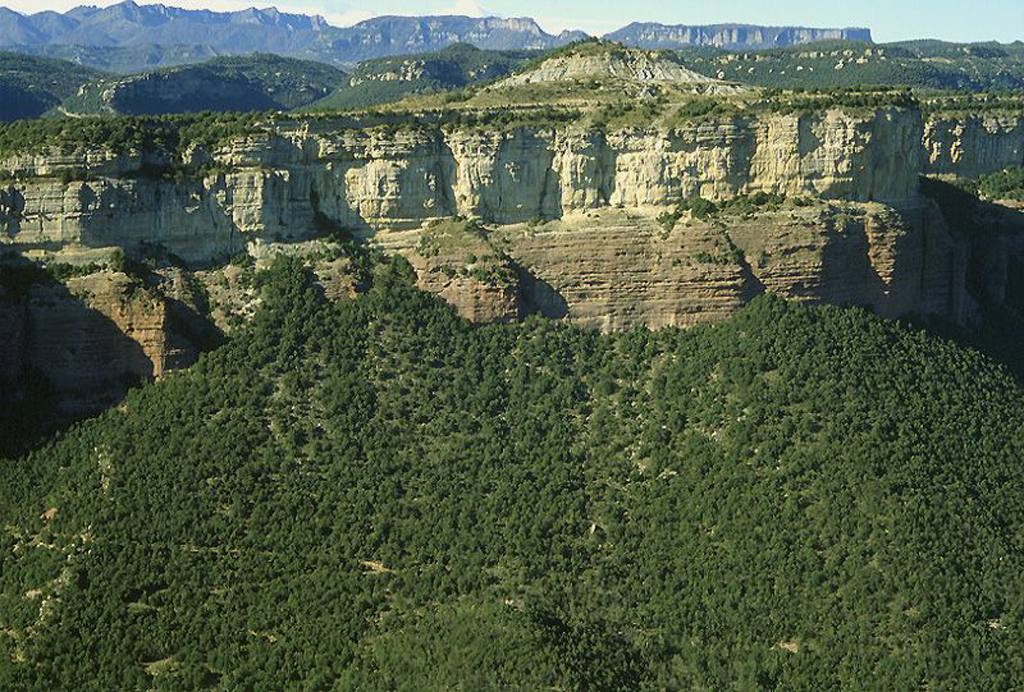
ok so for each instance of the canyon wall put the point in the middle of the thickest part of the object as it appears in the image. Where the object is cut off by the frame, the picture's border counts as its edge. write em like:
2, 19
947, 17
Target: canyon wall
272, 187
973, 147
575, 224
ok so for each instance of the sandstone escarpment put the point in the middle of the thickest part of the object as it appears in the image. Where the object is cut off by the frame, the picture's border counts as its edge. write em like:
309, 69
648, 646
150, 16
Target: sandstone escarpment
90, 338
973, 147
612, 270
467, 270
273, 187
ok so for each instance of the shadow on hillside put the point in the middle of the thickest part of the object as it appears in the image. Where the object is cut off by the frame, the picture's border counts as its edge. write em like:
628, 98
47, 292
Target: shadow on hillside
994, 236
539, 296
62, 360
847, 275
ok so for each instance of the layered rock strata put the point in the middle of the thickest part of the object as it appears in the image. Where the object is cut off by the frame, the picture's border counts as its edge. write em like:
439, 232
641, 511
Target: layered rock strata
273, 187
91, 338
613, 270
572, 228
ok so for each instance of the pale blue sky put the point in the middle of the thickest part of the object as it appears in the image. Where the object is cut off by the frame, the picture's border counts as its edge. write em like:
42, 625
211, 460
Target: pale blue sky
890, 20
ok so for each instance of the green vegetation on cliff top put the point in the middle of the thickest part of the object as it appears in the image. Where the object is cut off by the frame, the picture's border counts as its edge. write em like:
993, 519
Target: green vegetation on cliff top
31, 86
390, 79
375, 495
540, 106
259, 82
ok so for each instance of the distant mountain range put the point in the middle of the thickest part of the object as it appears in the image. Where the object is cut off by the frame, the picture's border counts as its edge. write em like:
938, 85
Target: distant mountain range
656, 36
131, 26
128, 37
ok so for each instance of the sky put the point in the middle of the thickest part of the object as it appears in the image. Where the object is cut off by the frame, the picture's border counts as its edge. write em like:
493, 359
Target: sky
889, 20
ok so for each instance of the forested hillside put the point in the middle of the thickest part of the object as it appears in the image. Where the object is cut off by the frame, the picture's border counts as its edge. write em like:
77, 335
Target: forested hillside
389, 79
126, 59
31, 86
375, 495
251, 83
835, 64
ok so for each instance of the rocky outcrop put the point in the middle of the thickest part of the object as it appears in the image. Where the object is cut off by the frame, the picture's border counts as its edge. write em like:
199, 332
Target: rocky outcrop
973, 147
467, 270
90, 338
613, 62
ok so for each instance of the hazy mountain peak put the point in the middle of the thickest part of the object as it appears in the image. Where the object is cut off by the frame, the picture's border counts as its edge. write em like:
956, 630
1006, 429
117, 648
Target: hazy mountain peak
130, 24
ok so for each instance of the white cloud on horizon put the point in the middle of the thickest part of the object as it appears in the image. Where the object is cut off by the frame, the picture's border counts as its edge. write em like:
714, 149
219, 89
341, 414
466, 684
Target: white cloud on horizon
465, 8
343, 19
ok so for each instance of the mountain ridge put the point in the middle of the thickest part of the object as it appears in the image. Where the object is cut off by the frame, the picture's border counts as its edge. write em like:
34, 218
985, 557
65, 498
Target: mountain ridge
312, 37
270, 30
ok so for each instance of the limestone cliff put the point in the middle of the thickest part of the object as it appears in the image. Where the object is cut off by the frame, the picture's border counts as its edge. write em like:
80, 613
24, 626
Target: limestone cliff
973, 147
572, 226
272, 187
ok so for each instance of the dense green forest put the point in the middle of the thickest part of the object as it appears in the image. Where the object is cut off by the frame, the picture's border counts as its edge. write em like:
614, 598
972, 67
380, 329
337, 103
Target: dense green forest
376, 495
1004, 185
32, 86
172, 134
248, 83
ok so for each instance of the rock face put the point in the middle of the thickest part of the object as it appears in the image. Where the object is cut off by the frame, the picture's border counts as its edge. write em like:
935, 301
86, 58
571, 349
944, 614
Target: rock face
467, 270
91, 338
613, 270
974, 146
372, 181
996, 271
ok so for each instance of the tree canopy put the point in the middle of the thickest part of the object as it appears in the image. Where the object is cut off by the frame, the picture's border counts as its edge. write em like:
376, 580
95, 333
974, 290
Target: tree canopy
376, 495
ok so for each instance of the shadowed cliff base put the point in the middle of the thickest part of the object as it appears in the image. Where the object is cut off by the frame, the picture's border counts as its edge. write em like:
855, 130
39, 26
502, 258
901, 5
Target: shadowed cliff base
74, 340
541, 297
993, 233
